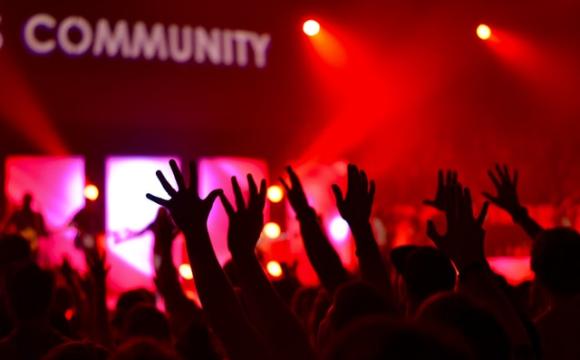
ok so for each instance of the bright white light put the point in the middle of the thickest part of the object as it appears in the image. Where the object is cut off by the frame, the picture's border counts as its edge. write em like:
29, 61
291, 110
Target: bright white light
274, 268
272, 230
185, 271
128, 179
483, 32
275, 193
91, 192
311, 27
338, 229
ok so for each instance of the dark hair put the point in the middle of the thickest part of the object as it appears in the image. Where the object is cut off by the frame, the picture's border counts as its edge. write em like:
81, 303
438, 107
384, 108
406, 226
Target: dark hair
30, 292
146, 321
144, 349
379, 337
128, 300
77, 350
354, 300
455, 312
425, 270
555, 255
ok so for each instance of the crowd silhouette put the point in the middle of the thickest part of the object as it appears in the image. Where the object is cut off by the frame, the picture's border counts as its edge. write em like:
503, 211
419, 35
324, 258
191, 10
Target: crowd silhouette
414, 302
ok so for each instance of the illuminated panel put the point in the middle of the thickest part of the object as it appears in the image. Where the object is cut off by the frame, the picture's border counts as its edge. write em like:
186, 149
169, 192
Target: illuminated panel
215, 173
57, 186
128, 179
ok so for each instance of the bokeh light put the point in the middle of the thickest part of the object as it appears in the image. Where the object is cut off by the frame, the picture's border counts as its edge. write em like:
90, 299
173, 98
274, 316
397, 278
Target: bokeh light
275, 193
483, 32
185, 271
274, 269
272, 230
311, 27
338, 229
91, 192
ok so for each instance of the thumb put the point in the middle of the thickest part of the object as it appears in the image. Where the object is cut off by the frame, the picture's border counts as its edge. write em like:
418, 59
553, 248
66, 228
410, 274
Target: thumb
210, 199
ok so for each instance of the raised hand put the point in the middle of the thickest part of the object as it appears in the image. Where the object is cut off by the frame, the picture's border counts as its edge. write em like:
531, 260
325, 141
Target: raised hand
443, 182
247, 221
506, 187
357, 205
464, 240
295, 192
188, 210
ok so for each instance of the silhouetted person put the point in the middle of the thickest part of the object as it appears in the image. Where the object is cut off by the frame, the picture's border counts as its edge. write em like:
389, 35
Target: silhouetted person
29, 291
27, 223
87, 223
425, 271
555, 261
453, 312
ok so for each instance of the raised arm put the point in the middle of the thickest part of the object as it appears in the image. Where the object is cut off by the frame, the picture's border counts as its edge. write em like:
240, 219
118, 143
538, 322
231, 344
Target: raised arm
319, 250
224, 312
506, 187
355, 207
272, 317
464, 244
181, 310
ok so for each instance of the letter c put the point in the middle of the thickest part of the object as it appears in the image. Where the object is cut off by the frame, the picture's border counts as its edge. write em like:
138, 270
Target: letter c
39, 21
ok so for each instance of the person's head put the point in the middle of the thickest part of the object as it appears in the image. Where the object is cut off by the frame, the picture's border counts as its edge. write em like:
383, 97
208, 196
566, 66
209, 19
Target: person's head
144, 349
75, 350
352, 301
424, 271
379, 337
555, 255
145, 320
27, 201
29, 291
128, 300
303, 302
457, 313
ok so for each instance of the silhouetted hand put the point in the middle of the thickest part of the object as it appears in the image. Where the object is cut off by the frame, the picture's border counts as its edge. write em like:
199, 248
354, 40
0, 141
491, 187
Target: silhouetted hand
295, 192
506, 189
357, 205
443, 182
188, 210
247, 221
463, 242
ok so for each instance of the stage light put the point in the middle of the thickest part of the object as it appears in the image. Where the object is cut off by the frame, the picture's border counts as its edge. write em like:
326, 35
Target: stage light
311, 27
338, 229
483, 32
275, 193
272, 230
274, 269
185, 271
91, 192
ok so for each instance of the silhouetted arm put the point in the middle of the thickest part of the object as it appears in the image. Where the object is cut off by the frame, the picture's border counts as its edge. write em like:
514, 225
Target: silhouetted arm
464, 244
181, 310
217, 296
320, 252
355, 207
507, 198
273, 318
96, 262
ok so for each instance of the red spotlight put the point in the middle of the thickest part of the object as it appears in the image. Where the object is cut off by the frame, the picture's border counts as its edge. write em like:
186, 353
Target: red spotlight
483, 32
311, 27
